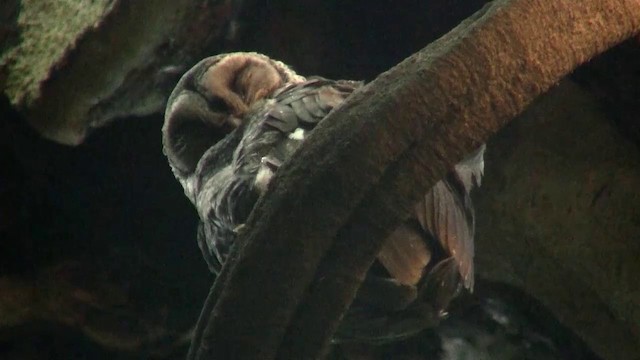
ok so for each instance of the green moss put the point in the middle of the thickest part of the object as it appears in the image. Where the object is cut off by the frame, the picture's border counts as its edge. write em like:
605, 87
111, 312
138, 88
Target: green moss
49, 28
102, 62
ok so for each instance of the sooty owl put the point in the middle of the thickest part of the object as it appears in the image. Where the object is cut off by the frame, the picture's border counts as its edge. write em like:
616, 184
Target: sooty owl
230, 123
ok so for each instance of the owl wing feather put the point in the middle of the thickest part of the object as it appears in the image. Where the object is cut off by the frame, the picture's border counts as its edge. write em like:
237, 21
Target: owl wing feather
445, 214
428, 262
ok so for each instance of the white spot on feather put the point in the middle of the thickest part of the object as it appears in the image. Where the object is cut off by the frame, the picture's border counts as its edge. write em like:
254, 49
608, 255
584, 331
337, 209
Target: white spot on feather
298, 134
263, 178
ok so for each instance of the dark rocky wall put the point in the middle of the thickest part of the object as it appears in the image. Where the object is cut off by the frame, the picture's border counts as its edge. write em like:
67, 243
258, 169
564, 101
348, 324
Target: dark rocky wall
82, 253
558, 216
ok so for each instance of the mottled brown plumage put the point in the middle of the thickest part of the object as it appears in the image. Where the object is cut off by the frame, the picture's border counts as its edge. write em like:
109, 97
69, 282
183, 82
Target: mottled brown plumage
230, 124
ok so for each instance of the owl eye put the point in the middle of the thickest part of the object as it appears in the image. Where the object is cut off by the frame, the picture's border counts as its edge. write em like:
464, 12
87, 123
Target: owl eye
192, 126
217, 105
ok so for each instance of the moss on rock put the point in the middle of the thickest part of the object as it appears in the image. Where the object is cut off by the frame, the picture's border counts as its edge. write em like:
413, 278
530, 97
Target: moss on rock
81, 64
49, 29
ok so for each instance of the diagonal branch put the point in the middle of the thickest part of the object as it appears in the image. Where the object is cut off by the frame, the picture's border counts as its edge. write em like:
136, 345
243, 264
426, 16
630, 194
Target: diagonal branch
311, 239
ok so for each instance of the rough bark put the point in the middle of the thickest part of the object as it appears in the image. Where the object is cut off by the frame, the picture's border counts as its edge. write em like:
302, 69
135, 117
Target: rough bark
79, 65
365, 166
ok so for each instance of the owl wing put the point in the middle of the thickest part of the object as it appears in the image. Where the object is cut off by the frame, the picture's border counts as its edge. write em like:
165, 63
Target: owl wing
427, 259
298, 108
288, 118
447, 213
271, 133
446, 227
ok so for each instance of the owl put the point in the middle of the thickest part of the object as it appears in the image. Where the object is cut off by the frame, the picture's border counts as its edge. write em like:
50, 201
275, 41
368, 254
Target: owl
234, 119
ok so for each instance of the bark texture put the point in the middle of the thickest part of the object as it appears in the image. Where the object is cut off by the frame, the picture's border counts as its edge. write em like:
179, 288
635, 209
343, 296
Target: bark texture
368, 162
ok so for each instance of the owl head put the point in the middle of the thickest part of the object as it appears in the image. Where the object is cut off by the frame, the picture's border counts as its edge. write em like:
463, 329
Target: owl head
211, 100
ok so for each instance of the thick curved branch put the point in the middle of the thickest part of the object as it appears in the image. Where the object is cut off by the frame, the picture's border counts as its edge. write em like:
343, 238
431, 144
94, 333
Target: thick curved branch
311, 239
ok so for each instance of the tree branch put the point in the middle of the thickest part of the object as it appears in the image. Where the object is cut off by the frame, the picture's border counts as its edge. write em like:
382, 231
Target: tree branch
311, 239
